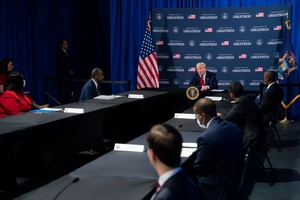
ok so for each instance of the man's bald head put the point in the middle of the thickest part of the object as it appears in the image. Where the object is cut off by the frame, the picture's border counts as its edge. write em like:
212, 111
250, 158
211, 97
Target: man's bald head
207, 106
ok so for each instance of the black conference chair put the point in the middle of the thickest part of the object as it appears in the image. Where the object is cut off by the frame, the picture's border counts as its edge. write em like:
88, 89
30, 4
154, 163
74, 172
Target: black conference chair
272, 126
75, 96
244, 169
262, 143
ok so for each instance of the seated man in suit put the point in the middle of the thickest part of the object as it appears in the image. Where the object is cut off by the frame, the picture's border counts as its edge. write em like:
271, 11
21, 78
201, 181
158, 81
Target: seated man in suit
271, 98
219, 154
245, 115
164, 150
202, 79
91, 88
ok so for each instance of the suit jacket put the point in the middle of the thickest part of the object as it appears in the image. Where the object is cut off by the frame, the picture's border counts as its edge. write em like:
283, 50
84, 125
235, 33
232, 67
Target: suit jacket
89, 91
12, 103
63, 64
210, 80
219, 160
178, 187
270, 101
246, 116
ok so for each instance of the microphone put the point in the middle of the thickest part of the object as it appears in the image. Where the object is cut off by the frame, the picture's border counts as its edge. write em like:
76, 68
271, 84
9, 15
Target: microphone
63, 108
73, 181
27, 92
126, 95
178, 126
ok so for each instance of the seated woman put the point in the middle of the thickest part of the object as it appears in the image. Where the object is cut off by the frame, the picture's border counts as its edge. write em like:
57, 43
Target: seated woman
6, 67
14, 100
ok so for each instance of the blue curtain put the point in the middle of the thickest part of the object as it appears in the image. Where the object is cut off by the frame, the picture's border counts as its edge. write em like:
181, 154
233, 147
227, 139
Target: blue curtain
29, 31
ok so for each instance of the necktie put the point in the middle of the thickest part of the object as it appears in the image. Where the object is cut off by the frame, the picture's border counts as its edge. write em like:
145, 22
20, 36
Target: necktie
157, 186
98, 89
202, 80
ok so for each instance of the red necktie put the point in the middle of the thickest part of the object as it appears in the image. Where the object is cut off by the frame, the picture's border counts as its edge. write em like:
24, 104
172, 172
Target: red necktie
157, 186
202, 80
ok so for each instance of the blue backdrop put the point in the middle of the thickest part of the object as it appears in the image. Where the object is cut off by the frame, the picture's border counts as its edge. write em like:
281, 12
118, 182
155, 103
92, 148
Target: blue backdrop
106, 34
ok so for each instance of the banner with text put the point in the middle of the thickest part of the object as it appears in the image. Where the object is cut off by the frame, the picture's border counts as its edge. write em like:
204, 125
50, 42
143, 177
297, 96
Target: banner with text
236, 43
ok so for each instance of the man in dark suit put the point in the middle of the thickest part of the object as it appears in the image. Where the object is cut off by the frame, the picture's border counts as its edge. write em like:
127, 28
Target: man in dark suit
63, 70
165, 144
219, 154
272, 98
202, 79
91, 88
245, 115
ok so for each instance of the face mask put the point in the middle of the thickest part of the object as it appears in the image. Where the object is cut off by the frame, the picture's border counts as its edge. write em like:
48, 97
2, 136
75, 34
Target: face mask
202, 125
24, 83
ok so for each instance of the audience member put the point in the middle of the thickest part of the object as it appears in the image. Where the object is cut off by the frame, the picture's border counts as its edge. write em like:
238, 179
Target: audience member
219, 154
14, 100
245, 115
91, 88
164, 150
272, 97
202, 79
63, 70
6, 68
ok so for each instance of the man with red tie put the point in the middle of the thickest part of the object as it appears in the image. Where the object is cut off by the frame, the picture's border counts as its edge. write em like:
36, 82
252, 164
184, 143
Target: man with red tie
165, 144
202, 79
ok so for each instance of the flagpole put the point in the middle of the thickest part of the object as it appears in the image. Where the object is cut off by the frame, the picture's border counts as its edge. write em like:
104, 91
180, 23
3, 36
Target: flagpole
286, 120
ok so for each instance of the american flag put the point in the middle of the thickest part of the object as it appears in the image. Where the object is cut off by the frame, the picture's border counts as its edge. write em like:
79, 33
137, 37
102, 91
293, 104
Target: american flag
208, 30
176, 55
242, 55
277, 28
225, 43
260, 14
192, 16
259, 69
192, 69
160, 42
147, 75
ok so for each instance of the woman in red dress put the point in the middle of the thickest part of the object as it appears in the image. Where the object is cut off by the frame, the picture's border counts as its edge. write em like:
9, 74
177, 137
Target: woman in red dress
14, 100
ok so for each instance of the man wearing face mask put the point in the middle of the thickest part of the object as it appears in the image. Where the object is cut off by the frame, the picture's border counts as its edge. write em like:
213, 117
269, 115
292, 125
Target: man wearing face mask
219, 154
92, 89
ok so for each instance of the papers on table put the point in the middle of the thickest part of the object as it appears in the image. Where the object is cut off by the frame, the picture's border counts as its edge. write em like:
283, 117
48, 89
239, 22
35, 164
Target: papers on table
46, 110
186, 152
214, 98
105, 97
215, 90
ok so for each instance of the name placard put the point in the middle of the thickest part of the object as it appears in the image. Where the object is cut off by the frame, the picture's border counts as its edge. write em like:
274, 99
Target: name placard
189, 144
184, 116
136, 96
186, 152
214, 98
74, 110
129, 147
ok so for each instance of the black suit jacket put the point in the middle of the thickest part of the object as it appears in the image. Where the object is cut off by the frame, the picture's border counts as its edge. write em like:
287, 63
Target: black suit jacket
246, 116
178, 187
63, 64
210, 80
218, 162
270, 101
89, 91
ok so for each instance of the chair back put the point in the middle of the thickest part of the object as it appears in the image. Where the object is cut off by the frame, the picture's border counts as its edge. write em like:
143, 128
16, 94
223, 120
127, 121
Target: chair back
75, 96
